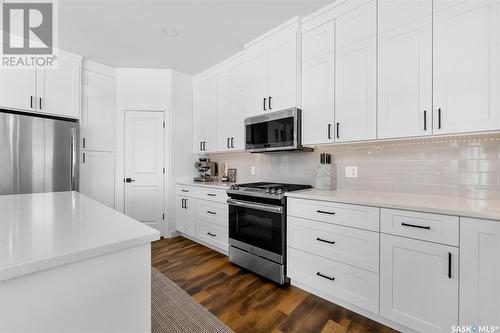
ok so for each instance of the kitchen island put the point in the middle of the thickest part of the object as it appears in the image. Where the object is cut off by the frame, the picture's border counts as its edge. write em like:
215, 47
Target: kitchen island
69, 263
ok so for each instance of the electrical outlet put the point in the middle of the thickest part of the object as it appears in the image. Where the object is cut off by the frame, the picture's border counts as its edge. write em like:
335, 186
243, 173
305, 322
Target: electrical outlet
252, 170
351, 172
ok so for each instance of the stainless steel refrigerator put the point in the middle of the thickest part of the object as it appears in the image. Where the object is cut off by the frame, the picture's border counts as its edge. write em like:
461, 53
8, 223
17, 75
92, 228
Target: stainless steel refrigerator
38, 154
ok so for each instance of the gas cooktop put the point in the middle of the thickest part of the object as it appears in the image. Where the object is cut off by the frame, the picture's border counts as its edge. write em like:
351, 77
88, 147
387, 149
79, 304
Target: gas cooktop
265, 189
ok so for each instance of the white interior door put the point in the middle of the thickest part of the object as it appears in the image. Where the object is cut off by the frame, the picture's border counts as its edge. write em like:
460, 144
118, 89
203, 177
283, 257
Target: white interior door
144, 163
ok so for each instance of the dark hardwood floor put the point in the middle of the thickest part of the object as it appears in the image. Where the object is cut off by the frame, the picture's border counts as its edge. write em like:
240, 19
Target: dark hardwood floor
246, 302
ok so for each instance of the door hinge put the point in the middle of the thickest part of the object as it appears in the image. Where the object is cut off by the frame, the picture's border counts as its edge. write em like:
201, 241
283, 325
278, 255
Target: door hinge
163, 124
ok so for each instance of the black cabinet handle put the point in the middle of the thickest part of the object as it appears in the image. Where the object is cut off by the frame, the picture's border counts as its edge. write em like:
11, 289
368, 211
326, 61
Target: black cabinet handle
325, 241
232, 142
84, 143
329, 131
185, 190
331, 278
186, 203
40, 102
201, 146
325, 212
270, 108
439, 118
211, 213
211, 234
31, 102
416, 226
83, 158
264, 104
211, 195
204, 146
338, 130
228, 143
425, 120
182, 203
449, 265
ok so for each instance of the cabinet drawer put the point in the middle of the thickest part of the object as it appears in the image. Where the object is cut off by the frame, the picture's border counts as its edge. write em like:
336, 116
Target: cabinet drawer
430, 227
212, 212
345, 282
212, 195
186, 191
213, 234
362, 217
348, 245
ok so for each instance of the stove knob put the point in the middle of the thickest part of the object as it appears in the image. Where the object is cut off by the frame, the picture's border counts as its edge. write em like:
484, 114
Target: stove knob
273, 191
234, 187
268, 190
280, 191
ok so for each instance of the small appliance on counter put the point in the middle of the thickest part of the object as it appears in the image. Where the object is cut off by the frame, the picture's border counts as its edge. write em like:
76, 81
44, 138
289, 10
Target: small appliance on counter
207, 170
326, 173
257, 227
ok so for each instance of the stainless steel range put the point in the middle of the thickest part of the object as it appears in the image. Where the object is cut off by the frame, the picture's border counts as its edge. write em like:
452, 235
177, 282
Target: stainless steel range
257, 227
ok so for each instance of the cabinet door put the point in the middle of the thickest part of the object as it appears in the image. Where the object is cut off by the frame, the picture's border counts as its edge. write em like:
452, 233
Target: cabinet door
98, 111
257, 91
180, 214
190, 207
405, 80
97, 176
237, 112
317, 85
418, 283
479, 272
356, 75
224, 110
59, 89
205, 115
283, 66
17, 89
466, 66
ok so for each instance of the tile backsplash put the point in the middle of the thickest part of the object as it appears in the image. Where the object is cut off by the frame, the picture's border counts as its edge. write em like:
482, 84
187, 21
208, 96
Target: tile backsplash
465, 166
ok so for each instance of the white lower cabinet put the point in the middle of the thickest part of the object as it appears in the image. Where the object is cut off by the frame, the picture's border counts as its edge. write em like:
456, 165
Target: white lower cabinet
97, 176
185, 212
479, 272
419, 283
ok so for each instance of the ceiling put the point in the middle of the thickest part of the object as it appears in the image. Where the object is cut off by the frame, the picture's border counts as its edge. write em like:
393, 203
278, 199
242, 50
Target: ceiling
134, 33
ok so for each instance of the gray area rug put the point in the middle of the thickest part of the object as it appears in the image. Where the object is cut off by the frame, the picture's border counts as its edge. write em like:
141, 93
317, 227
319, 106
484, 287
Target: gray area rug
173, 310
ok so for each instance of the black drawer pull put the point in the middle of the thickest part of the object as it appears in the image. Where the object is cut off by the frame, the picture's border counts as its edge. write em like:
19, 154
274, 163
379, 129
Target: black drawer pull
449, 265
211, 195
331, 278
211, 234
325, 241
324, 212
416, 226
185, 190
210, 212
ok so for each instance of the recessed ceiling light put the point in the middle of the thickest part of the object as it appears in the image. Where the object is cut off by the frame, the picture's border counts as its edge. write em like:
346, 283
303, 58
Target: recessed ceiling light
171, 32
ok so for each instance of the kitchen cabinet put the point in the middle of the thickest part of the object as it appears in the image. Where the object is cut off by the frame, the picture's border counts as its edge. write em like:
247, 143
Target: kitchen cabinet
98, 109
54, 91
418, 283
317, 84
479, 272
185, 212
356, 74
405, 69
97, 176
204, 114
466, 66
272, 70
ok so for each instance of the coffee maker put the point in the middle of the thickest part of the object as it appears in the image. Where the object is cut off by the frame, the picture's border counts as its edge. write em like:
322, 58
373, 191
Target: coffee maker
207, 170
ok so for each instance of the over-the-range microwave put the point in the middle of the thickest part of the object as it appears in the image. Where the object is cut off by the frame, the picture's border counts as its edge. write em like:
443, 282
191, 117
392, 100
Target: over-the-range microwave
274, 132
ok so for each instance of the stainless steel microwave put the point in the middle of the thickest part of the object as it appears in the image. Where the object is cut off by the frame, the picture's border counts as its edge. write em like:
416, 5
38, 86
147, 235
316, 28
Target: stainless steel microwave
274, 131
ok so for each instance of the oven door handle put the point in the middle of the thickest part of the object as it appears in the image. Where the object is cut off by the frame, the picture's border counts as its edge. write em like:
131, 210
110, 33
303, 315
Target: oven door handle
257, 206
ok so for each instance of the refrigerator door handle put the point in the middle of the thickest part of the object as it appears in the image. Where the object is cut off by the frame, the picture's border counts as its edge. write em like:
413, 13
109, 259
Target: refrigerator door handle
73, 143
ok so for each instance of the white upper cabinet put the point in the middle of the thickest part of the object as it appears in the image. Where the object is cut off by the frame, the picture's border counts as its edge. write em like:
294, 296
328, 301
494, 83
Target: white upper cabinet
317, 84
237, 112
54, 91
223, 110
356, 74
59, 90
466, 66
479, 272
405, 69
272, 71
98, 109
204, 114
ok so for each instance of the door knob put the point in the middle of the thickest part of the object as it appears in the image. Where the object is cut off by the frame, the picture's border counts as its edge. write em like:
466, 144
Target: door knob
129, 180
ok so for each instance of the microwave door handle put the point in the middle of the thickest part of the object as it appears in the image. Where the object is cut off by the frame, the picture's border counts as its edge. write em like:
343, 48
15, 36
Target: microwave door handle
256, 206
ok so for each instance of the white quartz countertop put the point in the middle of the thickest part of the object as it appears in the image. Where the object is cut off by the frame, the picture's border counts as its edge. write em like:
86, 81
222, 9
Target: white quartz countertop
481, 209
45, 230
215, 185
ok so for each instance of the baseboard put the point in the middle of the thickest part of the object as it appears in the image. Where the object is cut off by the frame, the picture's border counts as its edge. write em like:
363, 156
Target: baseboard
354, 308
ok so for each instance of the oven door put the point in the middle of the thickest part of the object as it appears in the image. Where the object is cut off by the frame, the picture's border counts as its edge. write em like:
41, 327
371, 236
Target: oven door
273, 131
257, 228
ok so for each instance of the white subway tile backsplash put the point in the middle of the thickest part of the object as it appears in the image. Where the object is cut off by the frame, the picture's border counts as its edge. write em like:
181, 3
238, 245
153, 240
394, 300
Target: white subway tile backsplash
461, 167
